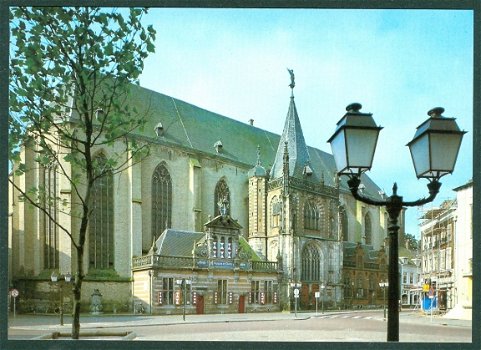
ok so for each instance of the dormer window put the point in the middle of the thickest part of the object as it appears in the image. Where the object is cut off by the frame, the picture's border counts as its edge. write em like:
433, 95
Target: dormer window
218, 146
307, 170
159, 129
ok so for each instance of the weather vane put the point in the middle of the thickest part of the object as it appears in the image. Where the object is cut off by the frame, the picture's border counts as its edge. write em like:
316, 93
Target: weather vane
292, 84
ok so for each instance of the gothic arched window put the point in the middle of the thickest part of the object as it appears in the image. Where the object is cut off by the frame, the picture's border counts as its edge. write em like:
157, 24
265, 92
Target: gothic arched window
50, 228
101, 224
368, 229
311, 263
221, 193
161, 200
312, 216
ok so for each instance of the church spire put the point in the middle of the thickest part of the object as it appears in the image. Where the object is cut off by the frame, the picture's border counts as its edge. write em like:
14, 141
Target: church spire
298, 155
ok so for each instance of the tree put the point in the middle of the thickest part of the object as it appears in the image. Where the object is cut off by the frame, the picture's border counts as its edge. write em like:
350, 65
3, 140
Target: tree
71, 70
412, 242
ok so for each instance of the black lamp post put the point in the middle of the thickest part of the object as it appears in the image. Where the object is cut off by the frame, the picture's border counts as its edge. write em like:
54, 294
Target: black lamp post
296, 286
323, 288
183, 284
434, 150
61, 280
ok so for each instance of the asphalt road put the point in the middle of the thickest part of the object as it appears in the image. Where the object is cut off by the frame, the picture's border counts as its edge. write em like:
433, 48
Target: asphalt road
353, 327
365, 326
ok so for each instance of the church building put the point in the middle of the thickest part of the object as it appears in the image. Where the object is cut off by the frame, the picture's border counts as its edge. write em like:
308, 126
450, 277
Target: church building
230, 215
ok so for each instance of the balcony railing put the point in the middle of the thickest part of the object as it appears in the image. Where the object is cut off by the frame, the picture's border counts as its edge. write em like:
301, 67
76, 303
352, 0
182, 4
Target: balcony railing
157, 261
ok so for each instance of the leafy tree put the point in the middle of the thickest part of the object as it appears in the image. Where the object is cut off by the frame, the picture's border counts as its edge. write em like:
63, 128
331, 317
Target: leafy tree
413, 243
71, 70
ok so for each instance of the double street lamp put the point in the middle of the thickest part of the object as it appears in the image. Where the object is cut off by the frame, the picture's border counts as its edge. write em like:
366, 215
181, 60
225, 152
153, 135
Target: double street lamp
434, 150
61, 279
183, 284
384, 285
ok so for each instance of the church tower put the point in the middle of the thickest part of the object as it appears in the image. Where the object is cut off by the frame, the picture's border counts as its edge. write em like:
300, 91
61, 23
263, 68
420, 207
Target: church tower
302, 217
257, 208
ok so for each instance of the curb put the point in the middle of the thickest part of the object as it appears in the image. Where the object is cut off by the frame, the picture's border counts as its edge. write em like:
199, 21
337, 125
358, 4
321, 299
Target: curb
56, 335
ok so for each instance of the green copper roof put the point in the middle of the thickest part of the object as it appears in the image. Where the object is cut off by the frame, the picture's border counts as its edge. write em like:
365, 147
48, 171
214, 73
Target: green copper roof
193, 128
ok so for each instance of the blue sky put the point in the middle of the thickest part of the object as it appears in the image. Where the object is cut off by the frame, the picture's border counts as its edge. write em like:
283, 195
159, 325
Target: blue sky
397, 63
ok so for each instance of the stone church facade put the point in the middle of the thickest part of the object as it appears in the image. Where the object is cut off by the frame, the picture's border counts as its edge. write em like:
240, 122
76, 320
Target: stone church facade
284, 196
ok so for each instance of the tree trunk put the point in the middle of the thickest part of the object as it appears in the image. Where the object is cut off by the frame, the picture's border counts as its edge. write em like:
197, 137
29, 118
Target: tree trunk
79, 276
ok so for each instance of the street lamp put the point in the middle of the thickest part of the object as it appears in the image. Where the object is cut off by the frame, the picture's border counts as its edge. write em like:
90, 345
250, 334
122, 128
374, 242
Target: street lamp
384, 285
183, 283
151, 273
323, 287
434, 150
61, 279
296, 287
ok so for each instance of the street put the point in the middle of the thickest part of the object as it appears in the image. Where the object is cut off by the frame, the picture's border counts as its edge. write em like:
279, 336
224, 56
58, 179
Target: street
353, 326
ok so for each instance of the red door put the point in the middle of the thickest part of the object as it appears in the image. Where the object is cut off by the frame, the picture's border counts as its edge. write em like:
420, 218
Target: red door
242, 302
199, 307
304, 295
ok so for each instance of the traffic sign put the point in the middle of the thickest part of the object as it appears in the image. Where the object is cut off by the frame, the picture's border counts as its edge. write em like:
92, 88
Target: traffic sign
14, 293
318, 294
296, 292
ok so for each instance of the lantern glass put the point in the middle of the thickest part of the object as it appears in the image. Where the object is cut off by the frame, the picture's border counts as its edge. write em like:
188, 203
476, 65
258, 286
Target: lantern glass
353, 149
435, 146
361, 144
354, 141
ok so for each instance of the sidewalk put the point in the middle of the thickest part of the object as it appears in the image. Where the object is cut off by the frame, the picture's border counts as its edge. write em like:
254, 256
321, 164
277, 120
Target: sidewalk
51, 322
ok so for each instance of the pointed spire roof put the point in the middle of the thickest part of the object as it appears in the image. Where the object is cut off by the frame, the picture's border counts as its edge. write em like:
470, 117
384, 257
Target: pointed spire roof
299, 160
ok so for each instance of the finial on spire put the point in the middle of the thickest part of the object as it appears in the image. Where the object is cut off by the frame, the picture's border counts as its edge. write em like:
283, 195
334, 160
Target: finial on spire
292, 84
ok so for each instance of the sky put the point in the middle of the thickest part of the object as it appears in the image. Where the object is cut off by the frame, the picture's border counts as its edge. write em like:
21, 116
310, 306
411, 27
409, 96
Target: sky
397, 63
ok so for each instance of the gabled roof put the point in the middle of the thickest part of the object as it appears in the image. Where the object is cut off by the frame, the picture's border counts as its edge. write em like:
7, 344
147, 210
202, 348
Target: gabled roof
223, 222
196, 129
176, 243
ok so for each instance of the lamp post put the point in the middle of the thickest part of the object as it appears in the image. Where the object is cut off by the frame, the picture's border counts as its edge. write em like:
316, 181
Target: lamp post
296, 287
323, 287
183, 284
384, 285
61, 280
151, 273
434, 150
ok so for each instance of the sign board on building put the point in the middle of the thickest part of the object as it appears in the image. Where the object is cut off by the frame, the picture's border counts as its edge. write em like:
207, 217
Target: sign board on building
274, 298
161, 298
194, 298
216, 297
223, 264
230, 296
